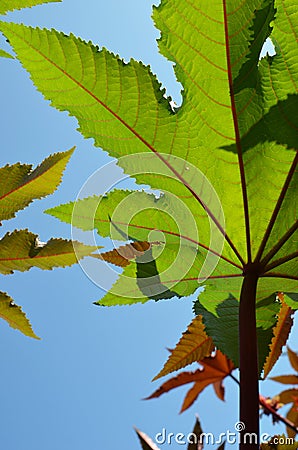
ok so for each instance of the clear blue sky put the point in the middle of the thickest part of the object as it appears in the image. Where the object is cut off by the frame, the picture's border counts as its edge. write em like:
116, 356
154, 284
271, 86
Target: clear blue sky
81, 386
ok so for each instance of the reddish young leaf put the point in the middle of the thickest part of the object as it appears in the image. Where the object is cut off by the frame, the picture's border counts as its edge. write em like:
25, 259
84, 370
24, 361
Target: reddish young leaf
122, 256
292, 416
281, 332
219, 390
286, 379
214, 370
288, 396
194, 345
293, 357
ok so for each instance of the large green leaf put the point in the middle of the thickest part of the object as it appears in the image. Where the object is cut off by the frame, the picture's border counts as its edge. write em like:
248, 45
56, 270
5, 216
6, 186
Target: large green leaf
20, 185
10, 5
14, 315
230, 147
21, 250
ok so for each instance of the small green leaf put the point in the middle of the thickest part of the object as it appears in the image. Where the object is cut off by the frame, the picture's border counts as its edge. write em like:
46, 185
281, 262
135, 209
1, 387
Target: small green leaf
21, 250
10, 5
14, 316
20, 185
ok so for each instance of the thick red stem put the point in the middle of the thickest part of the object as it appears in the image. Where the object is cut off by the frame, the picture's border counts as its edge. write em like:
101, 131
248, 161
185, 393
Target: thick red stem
249, 386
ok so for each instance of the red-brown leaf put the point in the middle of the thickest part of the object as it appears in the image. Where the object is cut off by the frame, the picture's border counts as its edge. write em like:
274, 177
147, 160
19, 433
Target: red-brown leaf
288, 396
214, 370
219, 390
172, 383
122, 256
292, 416
286, 379
293, 357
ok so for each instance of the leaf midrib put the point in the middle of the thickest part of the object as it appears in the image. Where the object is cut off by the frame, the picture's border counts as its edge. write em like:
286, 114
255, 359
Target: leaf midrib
237, 135
25, 258
172, 233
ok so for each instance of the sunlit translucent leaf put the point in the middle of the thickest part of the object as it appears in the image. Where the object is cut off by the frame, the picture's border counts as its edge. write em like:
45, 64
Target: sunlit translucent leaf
156, 214
19, 184
10, 5
5, 54
291, 299
21, 250
194, 345
237, 124
14, 316
281, 332
215, 369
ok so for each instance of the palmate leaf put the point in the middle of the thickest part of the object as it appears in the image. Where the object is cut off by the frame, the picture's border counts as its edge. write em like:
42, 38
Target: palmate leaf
21, 250
237, 124
14, 315
20, 185
10, 5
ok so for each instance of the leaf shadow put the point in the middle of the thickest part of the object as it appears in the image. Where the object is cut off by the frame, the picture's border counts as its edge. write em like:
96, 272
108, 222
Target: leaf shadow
279, 125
